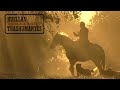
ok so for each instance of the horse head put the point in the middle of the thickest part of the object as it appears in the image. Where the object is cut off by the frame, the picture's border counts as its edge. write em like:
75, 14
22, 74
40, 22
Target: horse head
55, 41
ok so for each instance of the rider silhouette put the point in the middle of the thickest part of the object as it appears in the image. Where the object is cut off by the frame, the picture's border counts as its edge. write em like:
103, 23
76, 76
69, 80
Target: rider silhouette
83, 37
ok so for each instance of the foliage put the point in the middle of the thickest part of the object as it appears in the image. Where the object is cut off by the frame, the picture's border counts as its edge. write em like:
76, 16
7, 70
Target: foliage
26, 53
106, 29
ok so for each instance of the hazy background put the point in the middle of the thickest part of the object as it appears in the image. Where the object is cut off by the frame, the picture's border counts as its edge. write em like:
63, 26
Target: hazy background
30, 54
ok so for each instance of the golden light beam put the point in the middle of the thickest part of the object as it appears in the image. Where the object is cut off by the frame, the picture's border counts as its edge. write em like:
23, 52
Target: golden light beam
86, 16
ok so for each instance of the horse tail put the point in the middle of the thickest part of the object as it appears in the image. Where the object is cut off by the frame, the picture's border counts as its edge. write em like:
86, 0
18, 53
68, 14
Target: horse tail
103, 60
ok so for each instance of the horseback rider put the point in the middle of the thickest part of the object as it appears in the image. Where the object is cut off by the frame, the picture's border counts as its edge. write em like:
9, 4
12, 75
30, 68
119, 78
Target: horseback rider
83, 35
83, 40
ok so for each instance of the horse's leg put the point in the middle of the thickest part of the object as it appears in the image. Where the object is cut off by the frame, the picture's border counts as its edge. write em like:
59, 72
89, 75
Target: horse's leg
98, 64
71, 68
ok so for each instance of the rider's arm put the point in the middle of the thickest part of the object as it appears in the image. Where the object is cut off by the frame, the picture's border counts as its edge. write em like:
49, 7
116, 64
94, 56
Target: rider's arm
76, 34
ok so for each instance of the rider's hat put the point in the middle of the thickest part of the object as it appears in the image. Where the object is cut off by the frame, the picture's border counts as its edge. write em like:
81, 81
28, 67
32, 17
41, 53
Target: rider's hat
82, 24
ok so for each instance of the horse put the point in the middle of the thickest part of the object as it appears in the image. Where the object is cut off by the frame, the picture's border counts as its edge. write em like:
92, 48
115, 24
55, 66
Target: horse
74, 52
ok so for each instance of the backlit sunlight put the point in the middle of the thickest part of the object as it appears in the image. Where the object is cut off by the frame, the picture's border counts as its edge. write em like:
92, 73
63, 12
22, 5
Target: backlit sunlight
86, 16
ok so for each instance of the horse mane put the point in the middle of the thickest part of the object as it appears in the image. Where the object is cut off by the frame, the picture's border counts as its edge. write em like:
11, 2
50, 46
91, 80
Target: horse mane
63, 33
65, 36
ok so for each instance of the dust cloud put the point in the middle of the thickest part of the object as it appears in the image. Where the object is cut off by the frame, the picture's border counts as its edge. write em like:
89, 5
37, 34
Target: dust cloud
105, 30
31, 54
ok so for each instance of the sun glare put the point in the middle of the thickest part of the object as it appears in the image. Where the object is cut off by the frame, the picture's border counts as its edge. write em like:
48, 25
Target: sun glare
62, 33
86, 16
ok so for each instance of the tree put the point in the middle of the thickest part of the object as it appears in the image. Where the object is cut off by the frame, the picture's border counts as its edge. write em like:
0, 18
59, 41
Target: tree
25, 53
106, 29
